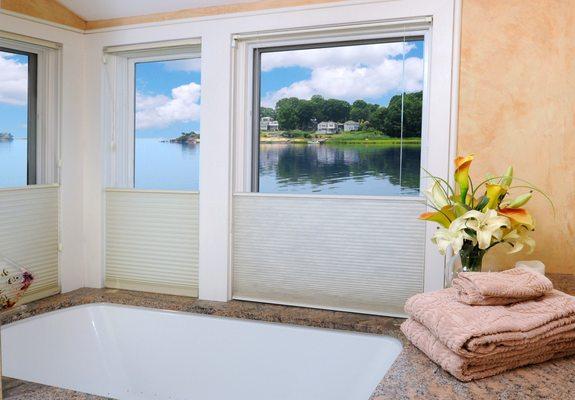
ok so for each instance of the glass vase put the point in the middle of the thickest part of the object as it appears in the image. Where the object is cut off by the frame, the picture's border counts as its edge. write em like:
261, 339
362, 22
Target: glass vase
468, 259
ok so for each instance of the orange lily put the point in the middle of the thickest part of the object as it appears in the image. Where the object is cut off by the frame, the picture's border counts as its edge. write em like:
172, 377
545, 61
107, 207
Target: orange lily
462, 165
518, 216
442, 217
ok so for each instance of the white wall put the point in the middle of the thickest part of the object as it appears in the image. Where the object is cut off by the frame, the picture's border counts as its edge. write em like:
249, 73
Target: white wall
72, 257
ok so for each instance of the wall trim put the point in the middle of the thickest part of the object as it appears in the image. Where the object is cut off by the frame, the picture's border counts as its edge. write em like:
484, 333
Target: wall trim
48, 10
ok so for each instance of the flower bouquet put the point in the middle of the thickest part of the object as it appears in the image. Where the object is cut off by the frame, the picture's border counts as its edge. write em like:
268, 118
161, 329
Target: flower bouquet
474, 218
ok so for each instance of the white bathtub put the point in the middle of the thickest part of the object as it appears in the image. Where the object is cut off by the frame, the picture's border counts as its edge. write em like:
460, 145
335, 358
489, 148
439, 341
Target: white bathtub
137, 353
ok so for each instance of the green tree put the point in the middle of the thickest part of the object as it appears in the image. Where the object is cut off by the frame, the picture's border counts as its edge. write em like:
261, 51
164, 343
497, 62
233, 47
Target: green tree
360, 111
318, 103
305, 114
336, 110
377, 119
286, 111
390, 121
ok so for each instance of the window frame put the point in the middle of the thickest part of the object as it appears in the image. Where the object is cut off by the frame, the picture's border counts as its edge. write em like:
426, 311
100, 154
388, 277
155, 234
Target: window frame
256, 88
31, 112
245, 94
44, 105
120, 116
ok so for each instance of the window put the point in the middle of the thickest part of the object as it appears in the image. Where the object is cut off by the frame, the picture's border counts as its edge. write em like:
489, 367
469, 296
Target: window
18, 93
154, 116
341, 118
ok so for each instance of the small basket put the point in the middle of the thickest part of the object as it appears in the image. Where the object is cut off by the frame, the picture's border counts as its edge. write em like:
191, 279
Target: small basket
14, 281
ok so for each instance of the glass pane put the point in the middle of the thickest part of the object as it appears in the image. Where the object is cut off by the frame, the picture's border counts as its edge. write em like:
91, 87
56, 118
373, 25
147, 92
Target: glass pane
167, 147
13, 119
342, 119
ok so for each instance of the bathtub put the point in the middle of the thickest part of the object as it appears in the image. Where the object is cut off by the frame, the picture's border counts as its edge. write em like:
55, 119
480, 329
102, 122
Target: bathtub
128, 353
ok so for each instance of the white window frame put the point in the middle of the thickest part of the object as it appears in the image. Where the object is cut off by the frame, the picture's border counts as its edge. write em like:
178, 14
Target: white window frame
437, 119
119, 101
48, 101
245, 75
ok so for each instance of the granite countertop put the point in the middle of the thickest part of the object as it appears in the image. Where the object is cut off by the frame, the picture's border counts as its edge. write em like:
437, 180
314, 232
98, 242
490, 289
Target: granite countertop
412, 376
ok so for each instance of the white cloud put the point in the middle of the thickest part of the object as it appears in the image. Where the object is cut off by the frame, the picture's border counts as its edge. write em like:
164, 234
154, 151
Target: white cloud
13, 80
188, 65
160, 111
349, 73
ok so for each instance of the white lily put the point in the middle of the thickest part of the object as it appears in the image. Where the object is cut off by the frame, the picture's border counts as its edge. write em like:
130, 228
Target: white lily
486, 226
453, 236
436, 196
519, 239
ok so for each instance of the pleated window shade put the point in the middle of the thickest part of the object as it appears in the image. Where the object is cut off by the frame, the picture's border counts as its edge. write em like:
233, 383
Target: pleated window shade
152, 241
29, 235
360, 255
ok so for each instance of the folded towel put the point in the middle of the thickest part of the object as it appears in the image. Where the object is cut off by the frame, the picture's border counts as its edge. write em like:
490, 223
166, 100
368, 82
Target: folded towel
499, 288
467, 369
472, 331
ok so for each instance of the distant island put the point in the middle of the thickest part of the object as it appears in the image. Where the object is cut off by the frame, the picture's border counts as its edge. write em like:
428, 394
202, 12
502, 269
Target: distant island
6, 137
185, 138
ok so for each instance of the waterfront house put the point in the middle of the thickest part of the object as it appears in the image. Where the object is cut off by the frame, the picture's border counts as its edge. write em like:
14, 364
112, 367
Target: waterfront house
327, 127
268, 124
350, 126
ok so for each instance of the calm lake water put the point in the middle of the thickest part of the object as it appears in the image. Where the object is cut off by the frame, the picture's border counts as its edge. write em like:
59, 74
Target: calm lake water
339, 169
13, 159
284, 168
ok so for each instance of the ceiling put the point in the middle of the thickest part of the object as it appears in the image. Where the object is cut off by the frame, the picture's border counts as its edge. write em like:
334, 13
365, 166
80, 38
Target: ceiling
91, 10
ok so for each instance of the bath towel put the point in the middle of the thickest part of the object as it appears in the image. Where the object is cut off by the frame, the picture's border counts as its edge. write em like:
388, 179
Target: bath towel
499, 288
473, 342
474, 330
467, 369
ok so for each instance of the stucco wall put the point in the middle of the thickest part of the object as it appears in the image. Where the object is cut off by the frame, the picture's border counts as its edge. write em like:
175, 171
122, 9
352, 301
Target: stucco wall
517, 106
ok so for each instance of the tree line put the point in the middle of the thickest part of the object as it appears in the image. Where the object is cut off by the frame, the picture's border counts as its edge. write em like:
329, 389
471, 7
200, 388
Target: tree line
298, 114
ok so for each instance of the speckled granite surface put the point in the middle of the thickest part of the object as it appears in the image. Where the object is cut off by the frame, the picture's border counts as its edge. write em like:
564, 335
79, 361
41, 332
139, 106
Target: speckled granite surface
412, 376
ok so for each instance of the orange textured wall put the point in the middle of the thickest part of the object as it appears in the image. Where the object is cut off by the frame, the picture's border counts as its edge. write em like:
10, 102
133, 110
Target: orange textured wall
517, 106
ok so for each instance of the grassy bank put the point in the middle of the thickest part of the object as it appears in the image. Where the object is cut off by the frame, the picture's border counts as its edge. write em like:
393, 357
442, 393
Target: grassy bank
359, 137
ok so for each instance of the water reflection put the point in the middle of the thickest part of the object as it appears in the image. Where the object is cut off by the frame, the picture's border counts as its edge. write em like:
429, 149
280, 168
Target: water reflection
340, 169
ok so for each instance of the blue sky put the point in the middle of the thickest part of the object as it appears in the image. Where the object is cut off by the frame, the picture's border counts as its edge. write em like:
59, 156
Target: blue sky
13, 94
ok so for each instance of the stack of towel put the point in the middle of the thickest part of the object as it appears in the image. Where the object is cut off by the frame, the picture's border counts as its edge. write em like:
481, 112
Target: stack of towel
488, 323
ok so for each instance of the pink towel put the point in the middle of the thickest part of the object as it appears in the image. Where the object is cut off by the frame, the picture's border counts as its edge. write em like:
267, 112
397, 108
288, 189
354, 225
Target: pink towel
467, 369
473, 342
499, 288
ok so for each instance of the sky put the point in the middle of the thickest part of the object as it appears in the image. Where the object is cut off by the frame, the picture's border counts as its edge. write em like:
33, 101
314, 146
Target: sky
371, 72
168, 94
168, 98
13, 94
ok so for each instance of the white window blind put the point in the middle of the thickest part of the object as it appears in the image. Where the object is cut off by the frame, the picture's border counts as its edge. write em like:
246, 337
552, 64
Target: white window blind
152, 241
362, 255
29, 235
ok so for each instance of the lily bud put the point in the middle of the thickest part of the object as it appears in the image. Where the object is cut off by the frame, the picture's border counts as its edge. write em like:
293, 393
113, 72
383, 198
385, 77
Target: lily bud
507, 178
520, 200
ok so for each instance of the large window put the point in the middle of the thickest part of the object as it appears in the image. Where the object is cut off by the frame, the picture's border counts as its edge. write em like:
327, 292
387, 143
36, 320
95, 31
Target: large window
18, 93
339, 118
167, 124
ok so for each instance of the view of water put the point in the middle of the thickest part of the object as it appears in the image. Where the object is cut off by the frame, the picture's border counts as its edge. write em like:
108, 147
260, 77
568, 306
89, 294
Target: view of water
339, 169
170, 166
13, 160
284, 168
